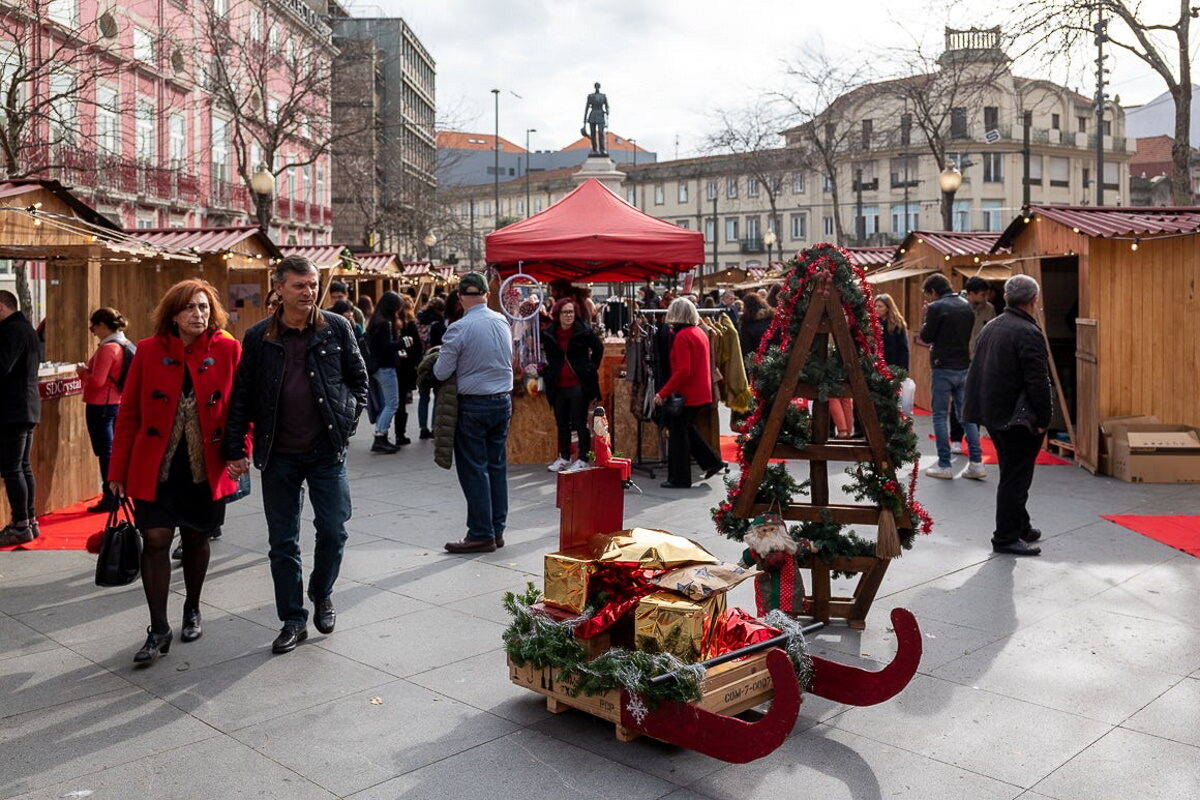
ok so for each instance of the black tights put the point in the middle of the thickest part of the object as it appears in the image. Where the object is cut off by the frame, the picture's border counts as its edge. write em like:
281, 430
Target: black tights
156, 570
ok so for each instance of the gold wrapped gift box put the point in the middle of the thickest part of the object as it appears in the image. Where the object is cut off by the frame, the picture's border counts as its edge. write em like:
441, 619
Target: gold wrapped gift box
653, 549
669, 622
566, 579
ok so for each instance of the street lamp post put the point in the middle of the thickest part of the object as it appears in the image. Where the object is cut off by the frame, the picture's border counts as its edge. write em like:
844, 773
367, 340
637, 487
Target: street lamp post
769, 240
430, 240
527, 132
496, 162
263, 184
949, 180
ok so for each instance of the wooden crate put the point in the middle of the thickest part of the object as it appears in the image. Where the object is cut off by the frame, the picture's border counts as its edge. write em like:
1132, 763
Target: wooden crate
727, 689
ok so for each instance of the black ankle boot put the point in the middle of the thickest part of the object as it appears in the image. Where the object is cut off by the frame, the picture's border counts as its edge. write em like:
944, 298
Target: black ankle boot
157, 644
382, 445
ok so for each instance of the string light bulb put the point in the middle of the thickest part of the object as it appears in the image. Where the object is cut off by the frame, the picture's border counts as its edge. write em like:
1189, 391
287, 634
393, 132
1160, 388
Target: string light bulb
1134, 246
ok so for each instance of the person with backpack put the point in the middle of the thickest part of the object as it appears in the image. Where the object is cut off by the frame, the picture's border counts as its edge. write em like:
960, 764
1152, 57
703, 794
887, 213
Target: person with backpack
431, 326
103, 380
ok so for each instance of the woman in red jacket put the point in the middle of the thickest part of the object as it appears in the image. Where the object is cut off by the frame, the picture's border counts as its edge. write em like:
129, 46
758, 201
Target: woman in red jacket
167, 450
102, 391
691, 377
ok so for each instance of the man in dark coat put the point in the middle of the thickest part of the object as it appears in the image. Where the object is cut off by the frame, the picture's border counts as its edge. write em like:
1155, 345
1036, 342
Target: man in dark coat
1008, 390
301, 386
20, 412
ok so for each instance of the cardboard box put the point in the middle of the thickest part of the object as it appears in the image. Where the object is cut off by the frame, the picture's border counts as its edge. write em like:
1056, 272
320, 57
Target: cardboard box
1106, 436
1155, 453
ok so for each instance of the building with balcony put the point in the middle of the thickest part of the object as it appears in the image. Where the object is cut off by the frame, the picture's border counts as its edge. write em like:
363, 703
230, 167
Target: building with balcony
887, 178
384, 177
125, 110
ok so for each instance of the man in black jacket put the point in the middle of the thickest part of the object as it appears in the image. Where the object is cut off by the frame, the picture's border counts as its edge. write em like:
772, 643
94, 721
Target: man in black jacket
947, 329
1008, 390
20, 412
302, 384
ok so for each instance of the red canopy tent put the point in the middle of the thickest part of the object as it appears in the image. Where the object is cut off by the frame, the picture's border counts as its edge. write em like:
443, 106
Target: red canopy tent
593, 235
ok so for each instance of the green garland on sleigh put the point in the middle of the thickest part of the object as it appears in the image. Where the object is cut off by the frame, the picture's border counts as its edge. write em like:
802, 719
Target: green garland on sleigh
827, 374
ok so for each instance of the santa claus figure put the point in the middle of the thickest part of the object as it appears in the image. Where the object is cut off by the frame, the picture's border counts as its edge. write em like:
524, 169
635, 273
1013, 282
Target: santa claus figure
773, 550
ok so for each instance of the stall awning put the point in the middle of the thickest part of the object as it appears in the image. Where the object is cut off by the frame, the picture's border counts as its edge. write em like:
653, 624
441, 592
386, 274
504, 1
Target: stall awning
994, 271
417, 270
887, 275
593, 235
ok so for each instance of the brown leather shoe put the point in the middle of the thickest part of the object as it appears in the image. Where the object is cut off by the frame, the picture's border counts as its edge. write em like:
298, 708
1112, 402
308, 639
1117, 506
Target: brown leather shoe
470, 545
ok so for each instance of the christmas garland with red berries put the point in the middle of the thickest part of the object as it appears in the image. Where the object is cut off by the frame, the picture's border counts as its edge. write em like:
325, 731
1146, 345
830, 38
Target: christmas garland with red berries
827, 374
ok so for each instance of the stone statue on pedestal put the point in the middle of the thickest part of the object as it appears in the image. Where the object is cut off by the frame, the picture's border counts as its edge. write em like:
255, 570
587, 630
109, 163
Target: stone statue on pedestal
595, 117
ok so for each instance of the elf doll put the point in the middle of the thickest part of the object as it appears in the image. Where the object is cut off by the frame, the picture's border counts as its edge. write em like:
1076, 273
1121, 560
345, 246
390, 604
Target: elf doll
772, 549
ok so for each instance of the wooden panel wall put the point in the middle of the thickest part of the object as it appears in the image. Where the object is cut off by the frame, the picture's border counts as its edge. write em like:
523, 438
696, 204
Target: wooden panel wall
1148, 313
73, 291
1087, 395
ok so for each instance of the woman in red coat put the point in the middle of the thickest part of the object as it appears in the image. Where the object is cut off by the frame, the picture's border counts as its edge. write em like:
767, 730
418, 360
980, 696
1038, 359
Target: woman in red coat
691, 377
167, 449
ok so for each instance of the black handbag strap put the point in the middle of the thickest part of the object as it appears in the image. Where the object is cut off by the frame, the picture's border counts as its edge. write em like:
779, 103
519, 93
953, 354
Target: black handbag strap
114, 513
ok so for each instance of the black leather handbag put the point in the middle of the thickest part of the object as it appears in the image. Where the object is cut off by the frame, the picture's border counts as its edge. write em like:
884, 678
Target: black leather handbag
120, 558
673, 405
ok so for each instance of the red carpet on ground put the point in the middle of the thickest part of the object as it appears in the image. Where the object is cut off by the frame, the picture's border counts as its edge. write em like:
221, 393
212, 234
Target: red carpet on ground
68, 529
1180, 531
729, 450
989, 453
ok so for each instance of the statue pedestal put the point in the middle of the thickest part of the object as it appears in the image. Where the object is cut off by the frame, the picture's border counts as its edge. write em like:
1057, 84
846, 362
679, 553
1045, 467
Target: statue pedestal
603, 169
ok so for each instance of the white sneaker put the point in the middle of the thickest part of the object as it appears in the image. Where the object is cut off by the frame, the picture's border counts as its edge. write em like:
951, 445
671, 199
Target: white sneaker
957, 448
975, 471
558, 465
945, 473
578, 463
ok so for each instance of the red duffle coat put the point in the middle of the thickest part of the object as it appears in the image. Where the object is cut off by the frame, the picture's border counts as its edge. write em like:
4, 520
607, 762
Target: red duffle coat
151, 398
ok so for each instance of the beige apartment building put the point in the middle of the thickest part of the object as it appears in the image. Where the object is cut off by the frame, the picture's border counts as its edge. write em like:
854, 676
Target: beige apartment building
879, 141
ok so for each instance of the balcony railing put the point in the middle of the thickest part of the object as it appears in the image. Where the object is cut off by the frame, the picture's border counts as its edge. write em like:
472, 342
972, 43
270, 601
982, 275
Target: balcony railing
753, 244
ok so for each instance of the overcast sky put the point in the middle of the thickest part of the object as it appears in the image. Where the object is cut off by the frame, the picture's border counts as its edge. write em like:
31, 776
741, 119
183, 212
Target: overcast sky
664, 64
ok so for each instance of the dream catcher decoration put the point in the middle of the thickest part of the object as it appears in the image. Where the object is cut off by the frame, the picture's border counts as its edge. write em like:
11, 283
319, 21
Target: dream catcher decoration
521, 299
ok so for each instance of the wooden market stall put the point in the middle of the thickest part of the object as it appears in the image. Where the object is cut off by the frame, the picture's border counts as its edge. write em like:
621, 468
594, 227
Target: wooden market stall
1121, 311
591, 235
955, 255
236, 260
416, 275
42, 221
371, 274
869, 259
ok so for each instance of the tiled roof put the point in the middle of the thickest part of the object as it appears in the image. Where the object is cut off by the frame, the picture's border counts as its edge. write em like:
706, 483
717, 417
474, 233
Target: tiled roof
461, 140
613, 141
1153, 156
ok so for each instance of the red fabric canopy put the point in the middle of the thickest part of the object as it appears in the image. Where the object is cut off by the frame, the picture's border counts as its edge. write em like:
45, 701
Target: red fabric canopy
593, 235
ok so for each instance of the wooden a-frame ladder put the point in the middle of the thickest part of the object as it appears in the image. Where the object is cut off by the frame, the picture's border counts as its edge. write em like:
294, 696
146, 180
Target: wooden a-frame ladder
823, 319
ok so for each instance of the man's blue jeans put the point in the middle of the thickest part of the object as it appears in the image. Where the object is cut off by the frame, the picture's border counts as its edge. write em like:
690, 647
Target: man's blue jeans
283, 498
481, 459
948, 382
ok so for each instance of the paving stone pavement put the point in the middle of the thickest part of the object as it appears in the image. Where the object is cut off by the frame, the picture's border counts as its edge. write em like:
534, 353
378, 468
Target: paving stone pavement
1074, 676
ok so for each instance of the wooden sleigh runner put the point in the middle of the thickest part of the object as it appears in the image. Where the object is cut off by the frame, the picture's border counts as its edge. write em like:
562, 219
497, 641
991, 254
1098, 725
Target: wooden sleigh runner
735, 683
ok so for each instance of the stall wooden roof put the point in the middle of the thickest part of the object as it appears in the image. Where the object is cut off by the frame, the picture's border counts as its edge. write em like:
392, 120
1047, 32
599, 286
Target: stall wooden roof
376, 262
1108, 222
415, 269
323, 255
19, 186
871, 257
206, 241
952, 243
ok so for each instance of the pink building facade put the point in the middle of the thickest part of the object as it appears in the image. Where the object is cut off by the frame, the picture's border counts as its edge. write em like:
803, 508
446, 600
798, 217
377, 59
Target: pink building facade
136, 125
